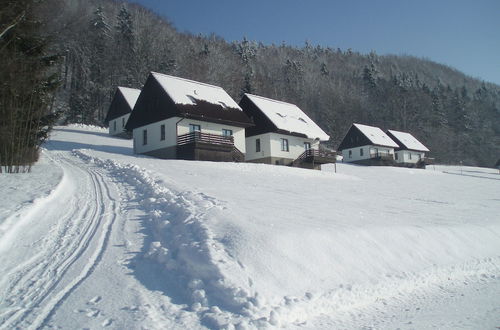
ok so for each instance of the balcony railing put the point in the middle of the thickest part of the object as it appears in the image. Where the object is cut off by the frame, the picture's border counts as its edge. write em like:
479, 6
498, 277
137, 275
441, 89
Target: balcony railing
382, 155
204, 138
317, 153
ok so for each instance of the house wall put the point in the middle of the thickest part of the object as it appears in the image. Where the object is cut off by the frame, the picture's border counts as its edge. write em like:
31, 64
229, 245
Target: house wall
404, 156
270, 146
367, 150
177, 126
216, 129
120, 125
154, 142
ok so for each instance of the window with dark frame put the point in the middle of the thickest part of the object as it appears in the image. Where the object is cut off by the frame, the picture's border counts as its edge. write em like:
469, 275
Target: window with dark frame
257, 145
361, 151
409, 155
284, 145
396, 156
307, 146
123, 122
114, 125
350, 153
227, 132
194, 128
144, 137
162, 132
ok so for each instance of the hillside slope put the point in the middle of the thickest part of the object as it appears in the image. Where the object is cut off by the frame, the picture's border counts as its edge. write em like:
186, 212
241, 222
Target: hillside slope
108, 44
141, 242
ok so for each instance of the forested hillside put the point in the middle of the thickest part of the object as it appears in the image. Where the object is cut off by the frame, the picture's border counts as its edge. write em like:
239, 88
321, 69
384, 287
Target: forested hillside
107, 43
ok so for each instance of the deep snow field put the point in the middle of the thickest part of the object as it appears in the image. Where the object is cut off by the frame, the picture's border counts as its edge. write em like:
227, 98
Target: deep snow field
96, 237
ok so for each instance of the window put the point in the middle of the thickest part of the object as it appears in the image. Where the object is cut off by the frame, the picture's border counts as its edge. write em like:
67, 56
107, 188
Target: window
409, 155
350, 153
144, 137
257, 145
194, 128
162, 132
396, 156
114, 125
284, 145
227, 132
361, 151
307, 146
419, 156
123, 122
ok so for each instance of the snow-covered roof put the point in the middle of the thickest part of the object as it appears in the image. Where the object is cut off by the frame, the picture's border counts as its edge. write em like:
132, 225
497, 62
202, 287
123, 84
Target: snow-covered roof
185, 91
376, 135
288, 117
130, 94
408, 141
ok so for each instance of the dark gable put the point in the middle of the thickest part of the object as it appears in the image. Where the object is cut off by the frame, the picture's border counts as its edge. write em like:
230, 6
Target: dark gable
118, 107
216, 113
154, 104
398, 142
354, 138
262, 123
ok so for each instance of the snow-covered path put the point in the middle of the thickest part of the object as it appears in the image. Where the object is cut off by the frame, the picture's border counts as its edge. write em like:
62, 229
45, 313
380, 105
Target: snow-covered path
79, 215
83, 270
127, 242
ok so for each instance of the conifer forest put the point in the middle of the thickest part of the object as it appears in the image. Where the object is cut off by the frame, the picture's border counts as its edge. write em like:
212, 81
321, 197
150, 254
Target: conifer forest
65, 59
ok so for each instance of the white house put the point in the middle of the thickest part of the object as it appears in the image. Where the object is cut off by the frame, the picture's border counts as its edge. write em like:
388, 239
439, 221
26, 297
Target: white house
410, 151
367, 145
283, 134
178, 118
119, 110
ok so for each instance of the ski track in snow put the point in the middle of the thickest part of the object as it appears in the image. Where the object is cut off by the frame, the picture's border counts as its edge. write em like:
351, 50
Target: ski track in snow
36, 287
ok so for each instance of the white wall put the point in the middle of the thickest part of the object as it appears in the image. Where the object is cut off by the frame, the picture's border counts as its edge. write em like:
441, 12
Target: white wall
177, 126
404, 156
367, 149
270, 146
120, 124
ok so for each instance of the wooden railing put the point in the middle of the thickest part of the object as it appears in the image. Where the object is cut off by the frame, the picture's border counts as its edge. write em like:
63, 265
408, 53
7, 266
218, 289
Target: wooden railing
237, 155
428, 160
205, 138
382, 155
317, 153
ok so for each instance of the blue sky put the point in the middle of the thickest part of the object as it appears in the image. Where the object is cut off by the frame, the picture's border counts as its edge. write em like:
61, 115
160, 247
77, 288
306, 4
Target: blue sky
464, 34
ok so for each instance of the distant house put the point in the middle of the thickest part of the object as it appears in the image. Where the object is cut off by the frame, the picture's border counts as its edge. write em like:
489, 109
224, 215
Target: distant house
283, 134
119, 111
178, 118
411, 152
367, 145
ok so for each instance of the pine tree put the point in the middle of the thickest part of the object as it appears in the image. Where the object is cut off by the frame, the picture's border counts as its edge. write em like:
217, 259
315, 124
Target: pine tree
27, 88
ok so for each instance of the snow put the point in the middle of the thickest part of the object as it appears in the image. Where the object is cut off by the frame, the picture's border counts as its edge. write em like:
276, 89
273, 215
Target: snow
125, 241
288, 117
409, 141
376, 135
184, 91
131, 95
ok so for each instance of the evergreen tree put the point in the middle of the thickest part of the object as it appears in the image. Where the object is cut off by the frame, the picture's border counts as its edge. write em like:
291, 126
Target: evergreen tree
27, 87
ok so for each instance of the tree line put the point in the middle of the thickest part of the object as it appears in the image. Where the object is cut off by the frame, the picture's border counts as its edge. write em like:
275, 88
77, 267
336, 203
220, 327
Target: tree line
103, 44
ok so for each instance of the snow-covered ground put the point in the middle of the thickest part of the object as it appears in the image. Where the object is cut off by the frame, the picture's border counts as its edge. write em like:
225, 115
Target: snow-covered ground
98, 237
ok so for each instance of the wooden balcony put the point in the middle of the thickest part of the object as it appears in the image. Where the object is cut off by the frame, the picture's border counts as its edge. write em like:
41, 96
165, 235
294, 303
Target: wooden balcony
383, 156
428, 161
205, 146
317, 156
199, 137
